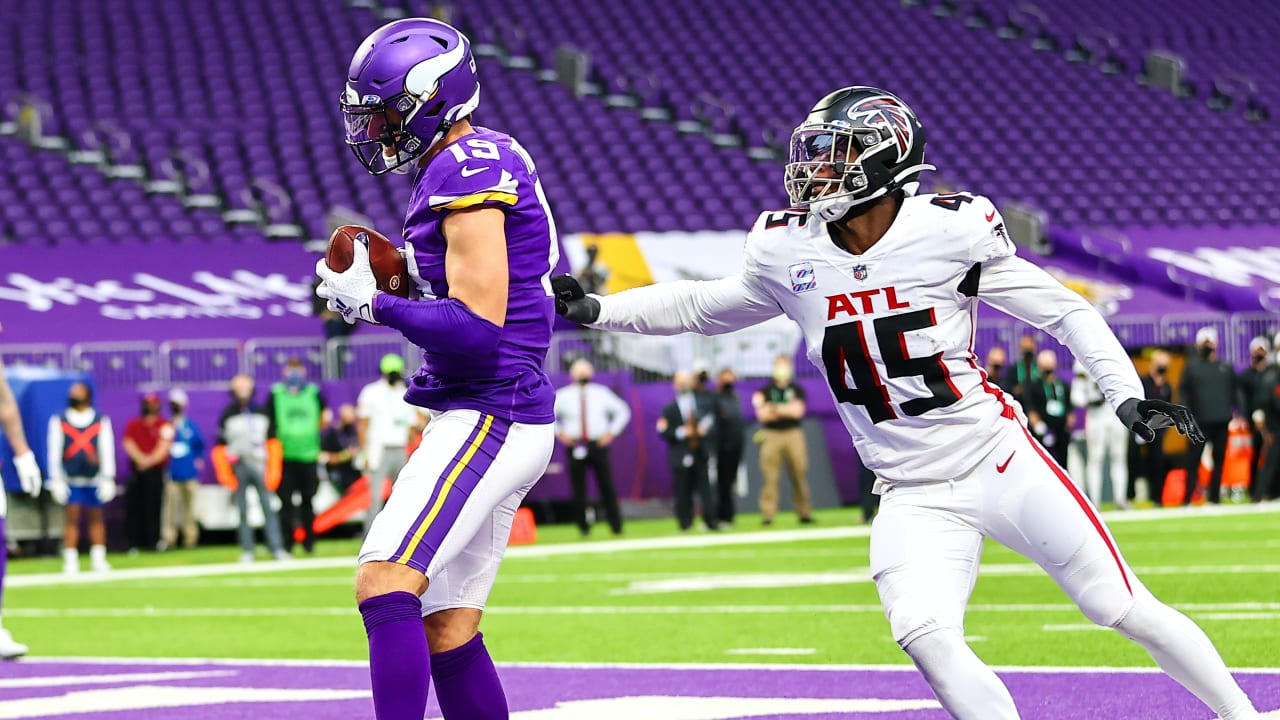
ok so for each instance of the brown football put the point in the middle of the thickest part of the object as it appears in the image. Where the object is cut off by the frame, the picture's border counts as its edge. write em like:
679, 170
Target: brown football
389, 269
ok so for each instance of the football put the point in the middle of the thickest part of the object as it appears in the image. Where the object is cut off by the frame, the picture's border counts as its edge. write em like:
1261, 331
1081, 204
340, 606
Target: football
389, 268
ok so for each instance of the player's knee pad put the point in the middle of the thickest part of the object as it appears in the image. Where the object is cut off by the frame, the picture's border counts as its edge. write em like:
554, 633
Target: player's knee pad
1100, 592
1147, 618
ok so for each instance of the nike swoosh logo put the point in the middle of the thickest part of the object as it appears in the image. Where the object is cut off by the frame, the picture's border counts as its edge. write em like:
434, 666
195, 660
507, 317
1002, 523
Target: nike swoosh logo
1002, 466
990, 216
468, 172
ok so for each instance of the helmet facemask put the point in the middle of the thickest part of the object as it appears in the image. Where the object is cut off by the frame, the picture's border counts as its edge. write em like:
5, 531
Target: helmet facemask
835, 167
376, 131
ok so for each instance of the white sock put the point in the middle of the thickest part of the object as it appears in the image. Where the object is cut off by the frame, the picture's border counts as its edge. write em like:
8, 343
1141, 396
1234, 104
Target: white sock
98, 553
70, 556
1186, 654
967, 689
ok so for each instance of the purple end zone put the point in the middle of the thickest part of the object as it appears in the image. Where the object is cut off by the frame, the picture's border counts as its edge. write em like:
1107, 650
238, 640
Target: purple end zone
151, 691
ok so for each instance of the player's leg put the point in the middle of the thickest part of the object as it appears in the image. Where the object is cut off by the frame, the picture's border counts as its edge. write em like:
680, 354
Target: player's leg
169, 514
682, 487
771, 470
97, 539
9, 648
1034, 509
924, 559
1117, 439
1218, 435
1095, 455
438, 508
578, 479
71, 535
467, 684
702, 484
797, 458
308, 483
190, 531
603, 469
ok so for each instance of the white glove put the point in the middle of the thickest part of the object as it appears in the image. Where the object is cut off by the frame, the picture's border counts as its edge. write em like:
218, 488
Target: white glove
105, 490
349, 292
58, 490
28, 472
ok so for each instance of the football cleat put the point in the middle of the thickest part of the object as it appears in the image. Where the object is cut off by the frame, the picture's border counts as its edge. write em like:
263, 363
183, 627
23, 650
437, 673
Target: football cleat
10, 648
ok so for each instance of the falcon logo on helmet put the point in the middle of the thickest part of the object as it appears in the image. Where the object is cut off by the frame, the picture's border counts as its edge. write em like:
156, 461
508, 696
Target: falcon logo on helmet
857, 145
889, 113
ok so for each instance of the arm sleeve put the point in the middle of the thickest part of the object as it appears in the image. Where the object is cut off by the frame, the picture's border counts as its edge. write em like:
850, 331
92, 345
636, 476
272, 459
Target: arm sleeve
425, 322
708, 307
619, 414
107, 450
1031, 295
54, 456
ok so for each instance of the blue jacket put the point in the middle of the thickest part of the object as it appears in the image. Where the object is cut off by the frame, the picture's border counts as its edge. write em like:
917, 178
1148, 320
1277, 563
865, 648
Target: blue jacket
188, 446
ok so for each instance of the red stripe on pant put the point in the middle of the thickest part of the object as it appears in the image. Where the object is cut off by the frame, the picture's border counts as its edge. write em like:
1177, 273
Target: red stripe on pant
1084, 505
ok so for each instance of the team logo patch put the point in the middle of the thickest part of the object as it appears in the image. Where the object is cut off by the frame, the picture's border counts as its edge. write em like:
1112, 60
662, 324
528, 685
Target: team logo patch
371, 100
1001, 233
886, 112
803, 279
404, 103
859, 272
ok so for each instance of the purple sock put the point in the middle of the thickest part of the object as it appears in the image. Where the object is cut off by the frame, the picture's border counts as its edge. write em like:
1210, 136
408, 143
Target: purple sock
467, 684
399, 665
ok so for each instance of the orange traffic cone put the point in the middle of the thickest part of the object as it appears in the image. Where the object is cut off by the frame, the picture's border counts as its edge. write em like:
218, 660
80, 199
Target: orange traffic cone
524, 530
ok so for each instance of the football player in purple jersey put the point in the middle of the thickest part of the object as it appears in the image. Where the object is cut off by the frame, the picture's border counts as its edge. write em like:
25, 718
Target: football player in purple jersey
480, 245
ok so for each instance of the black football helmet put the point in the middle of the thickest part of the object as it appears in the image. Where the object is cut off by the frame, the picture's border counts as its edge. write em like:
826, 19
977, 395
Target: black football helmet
856, 146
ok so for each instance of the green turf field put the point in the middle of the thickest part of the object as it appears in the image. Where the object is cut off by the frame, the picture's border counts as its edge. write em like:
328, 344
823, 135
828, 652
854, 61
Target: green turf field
781, 595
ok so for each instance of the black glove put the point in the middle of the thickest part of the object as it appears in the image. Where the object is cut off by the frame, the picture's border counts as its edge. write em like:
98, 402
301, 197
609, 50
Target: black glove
572, 303
1141, 416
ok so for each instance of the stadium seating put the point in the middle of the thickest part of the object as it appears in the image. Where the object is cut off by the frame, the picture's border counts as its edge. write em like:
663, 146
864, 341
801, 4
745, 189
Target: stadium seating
248, 90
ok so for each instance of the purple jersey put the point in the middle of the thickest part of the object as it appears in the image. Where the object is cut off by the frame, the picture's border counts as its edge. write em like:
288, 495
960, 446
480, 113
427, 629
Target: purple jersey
487, 169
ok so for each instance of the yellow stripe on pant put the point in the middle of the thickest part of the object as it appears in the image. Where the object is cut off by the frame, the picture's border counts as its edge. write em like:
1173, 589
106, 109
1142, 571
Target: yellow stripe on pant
444, 491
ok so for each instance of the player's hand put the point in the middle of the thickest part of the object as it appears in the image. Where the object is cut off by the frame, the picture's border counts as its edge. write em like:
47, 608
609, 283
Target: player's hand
350, 292
105, 490
28, 472
572, 303
58, 490
1144, 417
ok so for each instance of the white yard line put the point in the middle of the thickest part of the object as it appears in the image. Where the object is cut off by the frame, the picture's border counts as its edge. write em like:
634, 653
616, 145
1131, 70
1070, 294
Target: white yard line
681, 542
771, 651
265, 662
1210, 611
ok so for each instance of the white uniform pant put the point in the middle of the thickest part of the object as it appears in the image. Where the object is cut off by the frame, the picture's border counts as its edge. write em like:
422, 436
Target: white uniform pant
1106, 441
449, 515
927, 540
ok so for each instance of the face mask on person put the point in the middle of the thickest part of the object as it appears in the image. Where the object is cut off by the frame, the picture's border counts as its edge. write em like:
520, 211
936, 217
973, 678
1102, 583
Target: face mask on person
1206, 351
1259, 358
583, 380
77, 402
149, 410
996, 371
175, 409
1028, 356
394, 378
1160, 370
726, 387
782, 375
294, 379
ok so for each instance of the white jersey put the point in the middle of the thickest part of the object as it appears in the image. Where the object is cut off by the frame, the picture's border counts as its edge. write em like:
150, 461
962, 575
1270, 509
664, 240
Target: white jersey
892, 329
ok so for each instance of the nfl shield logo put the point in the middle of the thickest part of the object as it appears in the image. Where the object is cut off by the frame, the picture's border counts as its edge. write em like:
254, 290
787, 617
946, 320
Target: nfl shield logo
802, 277
859, 272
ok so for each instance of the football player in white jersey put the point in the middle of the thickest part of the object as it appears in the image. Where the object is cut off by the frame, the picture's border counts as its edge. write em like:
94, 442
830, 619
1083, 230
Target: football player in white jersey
885, 286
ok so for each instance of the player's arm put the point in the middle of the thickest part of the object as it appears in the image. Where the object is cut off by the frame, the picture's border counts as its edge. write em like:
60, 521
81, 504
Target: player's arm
1031, 295
707, 307
475, 266
10, 418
